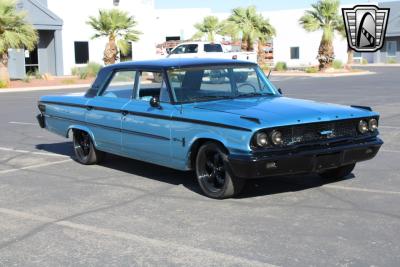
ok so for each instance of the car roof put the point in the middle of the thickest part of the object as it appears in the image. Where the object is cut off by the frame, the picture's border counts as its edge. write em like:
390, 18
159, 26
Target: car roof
176, 63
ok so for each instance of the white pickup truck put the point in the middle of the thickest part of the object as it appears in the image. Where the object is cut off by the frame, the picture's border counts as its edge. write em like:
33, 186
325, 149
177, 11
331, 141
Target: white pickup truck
209, 50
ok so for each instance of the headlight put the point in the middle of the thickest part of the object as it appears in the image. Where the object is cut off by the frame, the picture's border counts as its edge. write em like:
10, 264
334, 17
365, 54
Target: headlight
262, 139
276, 138
373, 125
363, 126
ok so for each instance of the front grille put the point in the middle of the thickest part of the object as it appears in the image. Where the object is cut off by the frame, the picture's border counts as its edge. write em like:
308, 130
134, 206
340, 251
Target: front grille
313, 132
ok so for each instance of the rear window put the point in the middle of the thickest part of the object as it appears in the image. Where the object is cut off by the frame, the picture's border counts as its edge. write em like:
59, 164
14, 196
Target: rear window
212, 48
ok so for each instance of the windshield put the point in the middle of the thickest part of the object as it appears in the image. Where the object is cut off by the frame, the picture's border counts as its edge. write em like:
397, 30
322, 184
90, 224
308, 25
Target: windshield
210, 83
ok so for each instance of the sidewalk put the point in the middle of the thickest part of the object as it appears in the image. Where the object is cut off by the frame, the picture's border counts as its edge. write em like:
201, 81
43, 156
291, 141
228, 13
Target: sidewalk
320, 75
45, 88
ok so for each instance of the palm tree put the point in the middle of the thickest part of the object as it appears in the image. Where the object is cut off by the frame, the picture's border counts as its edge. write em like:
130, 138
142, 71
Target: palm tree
209, 27
323, 16
15, 32
253, 26
229, 29
119, 28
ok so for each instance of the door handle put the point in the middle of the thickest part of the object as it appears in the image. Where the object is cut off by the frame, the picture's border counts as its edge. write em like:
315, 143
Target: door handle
124, 112
89, 108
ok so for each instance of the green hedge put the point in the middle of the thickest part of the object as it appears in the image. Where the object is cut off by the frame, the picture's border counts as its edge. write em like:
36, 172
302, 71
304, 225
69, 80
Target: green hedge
90, 70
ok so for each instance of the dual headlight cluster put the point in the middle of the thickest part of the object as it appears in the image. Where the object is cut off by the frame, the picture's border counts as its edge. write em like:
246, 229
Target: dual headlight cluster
365, 126
275, 138
262, 139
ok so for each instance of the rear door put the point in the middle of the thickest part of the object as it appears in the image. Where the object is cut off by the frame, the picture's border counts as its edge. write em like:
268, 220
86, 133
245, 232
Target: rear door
104, 111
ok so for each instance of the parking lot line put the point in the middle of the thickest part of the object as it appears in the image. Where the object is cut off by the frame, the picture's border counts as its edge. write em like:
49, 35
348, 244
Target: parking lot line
390, 151
179, 248
32, 152
389, 127
361, 189
22, 123
34, 166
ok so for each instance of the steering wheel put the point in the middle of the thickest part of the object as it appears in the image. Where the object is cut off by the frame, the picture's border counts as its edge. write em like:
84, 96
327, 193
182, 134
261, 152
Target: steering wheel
247, 84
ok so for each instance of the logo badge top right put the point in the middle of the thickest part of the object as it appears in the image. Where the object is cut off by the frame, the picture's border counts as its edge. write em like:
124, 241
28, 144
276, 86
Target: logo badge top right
365, 27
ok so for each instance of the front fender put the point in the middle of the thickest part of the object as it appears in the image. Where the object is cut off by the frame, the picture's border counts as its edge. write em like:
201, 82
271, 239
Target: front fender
82, 128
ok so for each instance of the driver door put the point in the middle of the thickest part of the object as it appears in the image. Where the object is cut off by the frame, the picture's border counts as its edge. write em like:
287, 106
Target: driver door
146, 130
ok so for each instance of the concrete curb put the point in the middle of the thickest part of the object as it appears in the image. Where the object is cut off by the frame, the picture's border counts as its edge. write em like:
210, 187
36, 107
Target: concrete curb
45, 88
321, 75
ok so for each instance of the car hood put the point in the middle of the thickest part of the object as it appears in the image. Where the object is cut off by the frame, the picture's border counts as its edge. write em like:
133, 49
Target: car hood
284, 110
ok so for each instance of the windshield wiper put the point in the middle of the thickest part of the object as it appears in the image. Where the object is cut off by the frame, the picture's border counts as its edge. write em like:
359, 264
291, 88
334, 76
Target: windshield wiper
210, 97
250, 94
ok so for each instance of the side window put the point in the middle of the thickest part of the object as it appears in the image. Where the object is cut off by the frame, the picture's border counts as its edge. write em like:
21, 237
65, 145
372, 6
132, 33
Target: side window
186, 49
121, 85
152, 85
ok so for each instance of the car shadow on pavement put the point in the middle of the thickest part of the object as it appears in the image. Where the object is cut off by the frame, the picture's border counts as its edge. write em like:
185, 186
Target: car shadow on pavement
253, 188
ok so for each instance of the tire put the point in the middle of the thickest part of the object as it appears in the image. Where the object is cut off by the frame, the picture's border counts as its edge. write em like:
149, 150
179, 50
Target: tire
213, 173
338, 173
85, 152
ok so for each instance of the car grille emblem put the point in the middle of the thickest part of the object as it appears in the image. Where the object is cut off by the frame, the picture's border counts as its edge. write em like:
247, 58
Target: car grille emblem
327, 134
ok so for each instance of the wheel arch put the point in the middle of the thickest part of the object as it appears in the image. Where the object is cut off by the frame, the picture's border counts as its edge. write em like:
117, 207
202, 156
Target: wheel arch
81, 128
196, 144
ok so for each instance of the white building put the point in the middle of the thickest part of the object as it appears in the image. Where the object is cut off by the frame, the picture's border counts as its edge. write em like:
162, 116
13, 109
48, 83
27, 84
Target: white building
67, 38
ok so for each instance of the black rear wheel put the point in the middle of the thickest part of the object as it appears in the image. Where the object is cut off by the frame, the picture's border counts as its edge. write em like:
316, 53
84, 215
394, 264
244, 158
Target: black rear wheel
338, 173
85, 152
213, 174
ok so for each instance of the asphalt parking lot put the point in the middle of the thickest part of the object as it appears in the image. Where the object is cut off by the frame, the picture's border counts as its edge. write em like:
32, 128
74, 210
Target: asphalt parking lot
54, 211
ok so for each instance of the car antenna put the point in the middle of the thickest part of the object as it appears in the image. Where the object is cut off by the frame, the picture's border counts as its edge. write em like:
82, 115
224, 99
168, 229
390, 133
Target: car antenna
269, 73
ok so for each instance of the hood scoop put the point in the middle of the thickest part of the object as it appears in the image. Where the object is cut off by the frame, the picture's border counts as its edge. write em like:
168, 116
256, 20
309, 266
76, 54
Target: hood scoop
256, 120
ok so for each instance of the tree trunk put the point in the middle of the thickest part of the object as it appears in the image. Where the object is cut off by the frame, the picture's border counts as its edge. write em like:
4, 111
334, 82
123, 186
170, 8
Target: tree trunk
111, 52
261, 54
4, 74
249, 44
244, 44
349, 55
325, 55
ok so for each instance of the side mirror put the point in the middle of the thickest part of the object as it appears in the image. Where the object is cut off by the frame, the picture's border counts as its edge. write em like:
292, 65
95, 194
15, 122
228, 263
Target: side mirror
280, 91
155, 102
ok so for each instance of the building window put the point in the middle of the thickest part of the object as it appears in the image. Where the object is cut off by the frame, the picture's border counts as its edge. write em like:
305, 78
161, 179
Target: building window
172, 38
294, 52
127, 56
391, 48
357, 55
81, 52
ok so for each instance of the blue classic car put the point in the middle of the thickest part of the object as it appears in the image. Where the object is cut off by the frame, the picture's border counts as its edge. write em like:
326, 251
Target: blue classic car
221, 118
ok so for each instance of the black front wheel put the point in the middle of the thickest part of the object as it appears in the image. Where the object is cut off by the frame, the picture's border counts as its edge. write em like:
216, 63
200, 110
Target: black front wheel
85, 152
213, 174
338, 173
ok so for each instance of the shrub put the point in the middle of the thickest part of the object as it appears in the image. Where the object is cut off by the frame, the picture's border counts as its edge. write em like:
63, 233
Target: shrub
391, 61
337, 64
93, 68
68, 81
26, 79
90, 70
312, 70
364, 61
3, 84
280, 66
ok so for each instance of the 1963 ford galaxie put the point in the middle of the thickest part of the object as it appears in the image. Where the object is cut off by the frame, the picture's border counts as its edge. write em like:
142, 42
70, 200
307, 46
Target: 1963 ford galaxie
222, 118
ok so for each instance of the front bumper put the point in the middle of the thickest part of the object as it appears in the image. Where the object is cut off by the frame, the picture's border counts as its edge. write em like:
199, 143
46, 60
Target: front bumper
303, 160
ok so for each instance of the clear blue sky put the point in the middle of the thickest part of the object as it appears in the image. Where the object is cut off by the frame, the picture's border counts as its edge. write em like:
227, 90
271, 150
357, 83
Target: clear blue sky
227, 5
